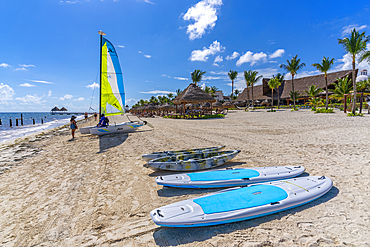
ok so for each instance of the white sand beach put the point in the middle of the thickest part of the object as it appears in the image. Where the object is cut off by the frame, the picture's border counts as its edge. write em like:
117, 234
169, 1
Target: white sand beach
96, 191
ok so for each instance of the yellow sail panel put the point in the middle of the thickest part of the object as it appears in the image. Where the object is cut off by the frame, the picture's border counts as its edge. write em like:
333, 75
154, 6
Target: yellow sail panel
111, 100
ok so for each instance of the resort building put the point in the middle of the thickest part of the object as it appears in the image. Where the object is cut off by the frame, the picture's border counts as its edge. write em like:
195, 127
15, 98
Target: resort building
363, 76
262, 93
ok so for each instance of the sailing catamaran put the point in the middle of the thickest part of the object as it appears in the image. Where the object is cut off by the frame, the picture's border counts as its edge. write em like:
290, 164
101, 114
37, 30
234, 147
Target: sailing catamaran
112, 93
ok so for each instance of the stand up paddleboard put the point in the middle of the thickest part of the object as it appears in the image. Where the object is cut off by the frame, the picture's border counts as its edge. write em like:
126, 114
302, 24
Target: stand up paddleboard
242, 203
229, 177
156, 155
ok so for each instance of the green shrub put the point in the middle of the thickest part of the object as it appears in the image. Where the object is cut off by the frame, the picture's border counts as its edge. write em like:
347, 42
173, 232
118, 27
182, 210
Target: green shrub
295, 109
322, 110
271, 111
355, 115
313, 108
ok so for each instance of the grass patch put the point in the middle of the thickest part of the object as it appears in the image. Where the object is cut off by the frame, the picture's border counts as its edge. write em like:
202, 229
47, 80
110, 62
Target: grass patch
355, 114
322, 110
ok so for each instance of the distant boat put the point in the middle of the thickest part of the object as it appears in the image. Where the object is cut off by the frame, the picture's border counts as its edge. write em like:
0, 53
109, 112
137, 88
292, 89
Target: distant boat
112, 93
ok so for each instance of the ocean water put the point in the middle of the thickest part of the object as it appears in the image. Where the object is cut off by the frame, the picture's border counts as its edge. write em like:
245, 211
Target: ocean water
49, 121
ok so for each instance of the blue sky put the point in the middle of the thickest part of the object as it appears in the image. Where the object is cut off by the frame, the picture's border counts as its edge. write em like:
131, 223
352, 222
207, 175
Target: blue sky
49, 49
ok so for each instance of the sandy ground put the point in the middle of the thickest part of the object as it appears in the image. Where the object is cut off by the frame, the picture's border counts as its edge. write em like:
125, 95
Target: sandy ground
96, 191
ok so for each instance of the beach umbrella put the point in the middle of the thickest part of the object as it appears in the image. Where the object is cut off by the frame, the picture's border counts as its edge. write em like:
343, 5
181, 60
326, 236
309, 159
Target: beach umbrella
63, 109
206, 105
151, 107
55, 109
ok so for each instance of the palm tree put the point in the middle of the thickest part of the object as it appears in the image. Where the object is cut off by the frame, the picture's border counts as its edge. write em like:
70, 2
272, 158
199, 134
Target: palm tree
312, 92
293, 66
280, 77
232, 75
362, 86
178, 92
196, 75
325, 65
293, 95
207, 89
344, 86
354, 45
170, 96
214, 89
237, 92
251, 78
273, 83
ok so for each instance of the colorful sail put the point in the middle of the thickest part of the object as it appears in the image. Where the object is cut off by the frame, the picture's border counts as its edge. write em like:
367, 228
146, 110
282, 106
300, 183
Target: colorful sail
112, 88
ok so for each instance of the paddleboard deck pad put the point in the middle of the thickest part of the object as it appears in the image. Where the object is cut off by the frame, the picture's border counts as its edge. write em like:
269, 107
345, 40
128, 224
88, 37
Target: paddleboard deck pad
229, 177
193, 162
156, 155
242, 203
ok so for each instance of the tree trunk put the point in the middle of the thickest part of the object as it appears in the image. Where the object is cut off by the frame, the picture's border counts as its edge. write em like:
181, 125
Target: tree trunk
252, 97
293, 91
278, 92
247, 97
232, 89
272, 100
327, 94
354, 85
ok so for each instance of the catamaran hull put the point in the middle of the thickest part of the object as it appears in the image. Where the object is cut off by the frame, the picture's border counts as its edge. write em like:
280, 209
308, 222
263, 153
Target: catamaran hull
242, 203
86, 130
119, 128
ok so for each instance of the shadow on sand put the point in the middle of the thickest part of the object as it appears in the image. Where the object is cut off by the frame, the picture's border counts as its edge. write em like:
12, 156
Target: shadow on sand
165, 236
111, 140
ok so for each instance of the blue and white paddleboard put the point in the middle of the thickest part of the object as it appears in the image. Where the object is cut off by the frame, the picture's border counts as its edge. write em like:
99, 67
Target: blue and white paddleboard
242, 203
229, 177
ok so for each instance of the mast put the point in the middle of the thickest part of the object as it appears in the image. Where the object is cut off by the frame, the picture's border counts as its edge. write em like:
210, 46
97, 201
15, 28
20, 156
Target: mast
101, 42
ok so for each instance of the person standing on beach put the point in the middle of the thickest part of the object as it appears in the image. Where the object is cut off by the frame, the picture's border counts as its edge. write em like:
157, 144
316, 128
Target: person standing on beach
103, 121
86, 116
95, 115
73, 126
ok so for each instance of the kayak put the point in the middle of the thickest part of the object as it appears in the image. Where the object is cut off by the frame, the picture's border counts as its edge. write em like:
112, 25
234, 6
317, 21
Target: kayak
193, 162
229, 177
156, 155
242, 203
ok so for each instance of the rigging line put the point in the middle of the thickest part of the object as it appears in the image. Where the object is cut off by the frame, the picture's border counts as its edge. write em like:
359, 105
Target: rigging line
92, 96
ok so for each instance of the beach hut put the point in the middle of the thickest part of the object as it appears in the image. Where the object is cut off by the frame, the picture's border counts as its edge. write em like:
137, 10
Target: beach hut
55, 109
63, 109
217, 105
227, 105
192, 94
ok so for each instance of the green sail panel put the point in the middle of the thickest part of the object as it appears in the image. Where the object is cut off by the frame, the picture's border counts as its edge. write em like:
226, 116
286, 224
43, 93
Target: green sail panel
112, 88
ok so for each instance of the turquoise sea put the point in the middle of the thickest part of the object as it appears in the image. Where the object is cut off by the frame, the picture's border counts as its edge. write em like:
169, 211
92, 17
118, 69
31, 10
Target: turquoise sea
43, 121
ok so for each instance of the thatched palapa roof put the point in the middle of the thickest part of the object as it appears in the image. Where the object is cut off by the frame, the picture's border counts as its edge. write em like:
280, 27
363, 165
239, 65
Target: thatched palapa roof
262, 92
55, 109
63, 109
193, 94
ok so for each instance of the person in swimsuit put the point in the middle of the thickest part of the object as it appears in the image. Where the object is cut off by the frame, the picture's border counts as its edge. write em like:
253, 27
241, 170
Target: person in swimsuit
95, 115
86, 116
73, 126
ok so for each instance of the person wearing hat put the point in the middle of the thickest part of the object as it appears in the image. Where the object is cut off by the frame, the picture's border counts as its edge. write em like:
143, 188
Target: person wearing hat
73, 126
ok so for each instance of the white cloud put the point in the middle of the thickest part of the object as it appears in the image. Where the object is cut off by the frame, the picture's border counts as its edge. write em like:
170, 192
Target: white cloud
267, 72
20, 69
27, 85
4, 65
49, 93
202, 55
346, 62
164, 75
217, 60
69, 2
252, 58
45, 82
26, 65
6, 93
158, 92
147, 56
181, 78
233, 56
94, 85
79, 99
120, 46
277, 53
204, 14
218, 73
207, 78
348, 29
30, 100
146, 1
66, 97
